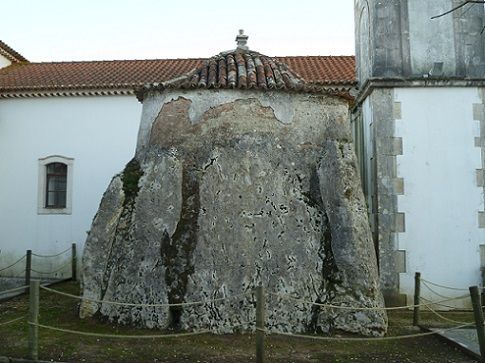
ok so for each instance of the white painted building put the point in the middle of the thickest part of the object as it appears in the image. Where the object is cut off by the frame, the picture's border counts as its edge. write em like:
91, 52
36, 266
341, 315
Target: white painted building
420, 130
93, 136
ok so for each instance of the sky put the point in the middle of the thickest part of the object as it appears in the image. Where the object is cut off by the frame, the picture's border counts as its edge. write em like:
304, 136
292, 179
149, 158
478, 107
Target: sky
67, 30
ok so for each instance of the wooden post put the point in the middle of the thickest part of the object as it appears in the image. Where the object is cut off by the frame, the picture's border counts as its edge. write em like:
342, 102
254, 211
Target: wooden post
34, 318
417, 294
477, 312
74, 263
260, 324
28, 267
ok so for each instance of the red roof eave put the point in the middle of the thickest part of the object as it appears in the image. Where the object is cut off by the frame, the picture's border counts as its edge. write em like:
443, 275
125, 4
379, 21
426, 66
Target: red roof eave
129, 74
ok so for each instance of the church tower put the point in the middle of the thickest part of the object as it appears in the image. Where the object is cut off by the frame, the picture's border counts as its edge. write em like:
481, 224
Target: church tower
419, 128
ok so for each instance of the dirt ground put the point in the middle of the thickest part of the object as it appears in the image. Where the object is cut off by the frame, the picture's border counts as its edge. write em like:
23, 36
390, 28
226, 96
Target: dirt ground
62, 311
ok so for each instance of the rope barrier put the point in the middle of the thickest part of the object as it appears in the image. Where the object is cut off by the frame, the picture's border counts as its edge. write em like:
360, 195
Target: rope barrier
446, 306
443, 286
14, 277
122, 336
51, 272
418, 335
377, 308
11, 321
13, 290
202, 302
434, 291
444, 317
48, 256
13, 264
22, 275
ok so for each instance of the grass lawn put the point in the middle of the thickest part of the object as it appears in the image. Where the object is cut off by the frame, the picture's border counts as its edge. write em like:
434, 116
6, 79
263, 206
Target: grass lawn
62, 312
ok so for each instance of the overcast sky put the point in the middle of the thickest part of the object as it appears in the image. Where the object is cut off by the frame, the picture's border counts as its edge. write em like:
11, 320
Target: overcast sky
64, 30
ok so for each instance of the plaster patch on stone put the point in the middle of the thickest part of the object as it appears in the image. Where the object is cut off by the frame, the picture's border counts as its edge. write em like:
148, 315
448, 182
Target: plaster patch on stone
281, 103
152, 106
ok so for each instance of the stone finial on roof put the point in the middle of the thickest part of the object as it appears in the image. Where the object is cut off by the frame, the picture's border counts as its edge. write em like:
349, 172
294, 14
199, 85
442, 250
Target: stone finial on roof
242, 40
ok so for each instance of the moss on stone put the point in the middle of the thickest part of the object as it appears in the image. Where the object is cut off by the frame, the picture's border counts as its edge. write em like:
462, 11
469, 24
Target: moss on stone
130, 178
177, 250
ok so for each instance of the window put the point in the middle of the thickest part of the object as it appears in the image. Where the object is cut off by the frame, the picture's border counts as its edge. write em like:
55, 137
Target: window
56, 182
55, 185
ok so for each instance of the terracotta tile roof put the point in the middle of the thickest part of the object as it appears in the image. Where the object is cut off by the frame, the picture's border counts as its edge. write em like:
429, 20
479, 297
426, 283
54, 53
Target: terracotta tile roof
238, 69
244, 69
11, 54
130, 74
323, 69
92, 75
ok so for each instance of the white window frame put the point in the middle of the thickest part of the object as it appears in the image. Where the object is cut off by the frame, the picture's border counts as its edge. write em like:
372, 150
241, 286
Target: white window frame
41, 194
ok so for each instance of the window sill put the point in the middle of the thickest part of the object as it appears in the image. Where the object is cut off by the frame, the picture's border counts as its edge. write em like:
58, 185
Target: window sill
54, 211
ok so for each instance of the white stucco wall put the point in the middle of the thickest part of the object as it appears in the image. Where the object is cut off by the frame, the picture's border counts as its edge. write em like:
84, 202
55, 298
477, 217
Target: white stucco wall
98, 132
441, 198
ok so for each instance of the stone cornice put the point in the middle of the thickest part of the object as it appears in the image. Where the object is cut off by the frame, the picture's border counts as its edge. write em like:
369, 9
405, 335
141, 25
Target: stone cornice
373, 83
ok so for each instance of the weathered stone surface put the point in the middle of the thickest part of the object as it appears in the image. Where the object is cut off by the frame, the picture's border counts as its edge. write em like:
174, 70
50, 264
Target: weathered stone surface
351, 259
230, 199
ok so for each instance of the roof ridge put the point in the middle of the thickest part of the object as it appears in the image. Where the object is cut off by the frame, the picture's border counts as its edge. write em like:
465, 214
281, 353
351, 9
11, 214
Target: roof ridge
315, 56
182, 59
117, 60
11, 53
